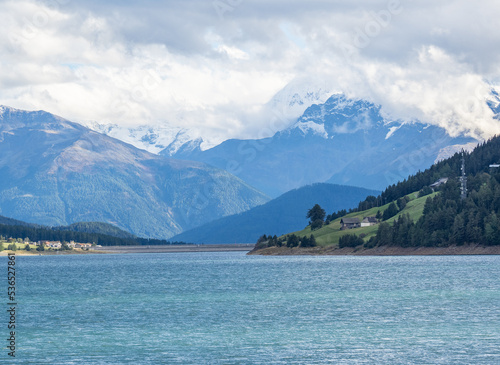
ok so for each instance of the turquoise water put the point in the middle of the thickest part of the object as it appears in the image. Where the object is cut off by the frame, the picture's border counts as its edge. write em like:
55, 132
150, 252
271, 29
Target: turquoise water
228, 308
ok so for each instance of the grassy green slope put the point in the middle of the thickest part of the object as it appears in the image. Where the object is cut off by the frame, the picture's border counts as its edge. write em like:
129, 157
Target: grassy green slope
329, 235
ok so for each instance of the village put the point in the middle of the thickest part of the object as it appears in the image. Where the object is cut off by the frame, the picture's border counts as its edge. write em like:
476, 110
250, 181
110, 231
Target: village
42, 245
57, 245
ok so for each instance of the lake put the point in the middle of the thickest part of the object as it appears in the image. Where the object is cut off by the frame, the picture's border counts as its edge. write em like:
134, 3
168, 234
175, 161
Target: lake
229, 308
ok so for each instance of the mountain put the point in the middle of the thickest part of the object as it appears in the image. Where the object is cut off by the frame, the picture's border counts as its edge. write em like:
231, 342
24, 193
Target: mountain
167, 139
452, 216
14, 222
284, 108
292, 101
283, 214
341, 141
86, 233
105, 232
56, 172
155, 139
494, 103
428, 209
96, 227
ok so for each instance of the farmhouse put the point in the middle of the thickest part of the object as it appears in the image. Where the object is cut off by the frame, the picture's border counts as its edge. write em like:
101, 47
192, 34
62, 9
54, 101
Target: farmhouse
49, 244
83, 245
369, 221
349, 223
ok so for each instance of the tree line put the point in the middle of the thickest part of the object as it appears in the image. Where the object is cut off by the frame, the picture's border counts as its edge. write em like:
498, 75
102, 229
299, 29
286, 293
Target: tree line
447, 219
290, 241
48, 234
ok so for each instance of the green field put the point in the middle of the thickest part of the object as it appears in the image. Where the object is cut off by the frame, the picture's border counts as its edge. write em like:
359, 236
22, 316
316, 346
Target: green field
19, 246
329, 235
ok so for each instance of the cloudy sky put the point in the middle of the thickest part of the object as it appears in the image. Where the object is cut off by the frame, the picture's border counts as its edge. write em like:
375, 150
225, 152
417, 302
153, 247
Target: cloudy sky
212, 64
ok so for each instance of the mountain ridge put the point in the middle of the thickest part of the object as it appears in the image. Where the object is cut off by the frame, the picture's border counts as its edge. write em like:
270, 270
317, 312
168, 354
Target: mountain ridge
167, 138
342, 141
61, 172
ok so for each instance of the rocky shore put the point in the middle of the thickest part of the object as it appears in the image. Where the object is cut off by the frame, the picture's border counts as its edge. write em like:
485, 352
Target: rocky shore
473, 249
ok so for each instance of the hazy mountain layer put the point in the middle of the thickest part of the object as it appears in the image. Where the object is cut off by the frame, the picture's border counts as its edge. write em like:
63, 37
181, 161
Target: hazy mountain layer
56, 172
283, 214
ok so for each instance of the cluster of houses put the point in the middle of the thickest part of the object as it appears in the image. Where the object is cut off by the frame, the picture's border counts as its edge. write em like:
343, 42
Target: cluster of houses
350, 223
57, 244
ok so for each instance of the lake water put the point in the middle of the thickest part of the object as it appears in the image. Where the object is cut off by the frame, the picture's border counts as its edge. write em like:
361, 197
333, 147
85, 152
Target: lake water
228, 308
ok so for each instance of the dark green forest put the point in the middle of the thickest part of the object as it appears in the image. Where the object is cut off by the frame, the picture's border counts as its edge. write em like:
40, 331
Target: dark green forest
447, 218
476, 162
82, 232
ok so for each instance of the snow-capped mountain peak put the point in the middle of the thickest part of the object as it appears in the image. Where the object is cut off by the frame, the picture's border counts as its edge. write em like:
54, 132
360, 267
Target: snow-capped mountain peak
338, 115
154, 139
298, 95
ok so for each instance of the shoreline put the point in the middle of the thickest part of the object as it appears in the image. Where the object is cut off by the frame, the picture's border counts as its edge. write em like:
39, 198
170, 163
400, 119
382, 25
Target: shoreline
139, 249
474, 249
47, 253
175, 248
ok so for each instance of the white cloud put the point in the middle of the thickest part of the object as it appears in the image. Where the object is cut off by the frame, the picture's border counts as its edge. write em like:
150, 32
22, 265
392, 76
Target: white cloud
181, 62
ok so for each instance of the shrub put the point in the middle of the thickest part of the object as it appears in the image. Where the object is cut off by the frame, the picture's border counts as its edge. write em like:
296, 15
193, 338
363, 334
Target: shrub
426, 190
293, 241
350, 240
308, 242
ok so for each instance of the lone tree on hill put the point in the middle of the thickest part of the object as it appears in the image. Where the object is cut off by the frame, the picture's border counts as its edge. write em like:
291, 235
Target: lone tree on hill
316, 216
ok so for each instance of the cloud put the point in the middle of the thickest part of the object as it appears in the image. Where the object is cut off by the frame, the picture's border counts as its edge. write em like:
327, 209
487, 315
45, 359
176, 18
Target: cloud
432, 87
213, 65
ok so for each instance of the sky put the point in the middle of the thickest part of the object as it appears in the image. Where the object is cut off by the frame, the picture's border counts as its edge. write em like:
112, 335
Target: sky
211, 65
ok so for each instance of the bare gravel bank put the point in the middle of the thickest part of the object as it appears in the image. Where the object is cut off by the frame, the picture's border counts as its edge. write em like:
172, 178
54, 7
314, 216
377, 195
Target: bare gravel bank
473, 249
175, 248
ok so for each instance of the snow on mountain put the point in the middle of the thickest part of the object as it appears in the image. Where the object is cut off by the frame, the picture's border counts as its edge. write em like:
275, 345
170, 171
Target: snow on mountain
154, 139
311, 126
339, 115
449, 151
288, 104
341, 141
298, 95
60, 172
494, 103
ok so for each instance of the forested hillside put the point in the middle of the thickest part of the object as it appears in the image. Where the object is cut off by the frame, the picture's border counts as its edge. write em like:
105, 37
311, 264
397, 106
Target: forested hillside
477, 161
440, 219
447, 217
86, 232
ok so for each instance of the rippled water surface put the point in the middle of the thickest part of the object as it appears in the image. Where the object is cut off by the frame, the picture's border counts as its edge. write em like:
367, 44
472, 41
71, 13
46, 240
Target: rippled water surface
228, 308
